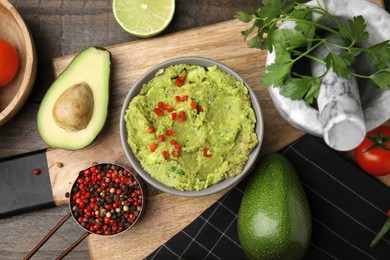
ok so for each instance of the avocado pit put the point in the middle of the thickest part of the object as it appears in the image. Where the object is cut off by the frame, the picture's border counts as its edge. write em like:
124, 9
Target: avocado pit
74, 108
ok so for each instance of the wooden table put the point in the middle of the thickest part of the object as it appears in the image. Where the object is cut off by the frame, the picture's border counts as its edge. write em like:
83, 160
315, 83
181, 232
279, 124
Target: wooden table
60, 28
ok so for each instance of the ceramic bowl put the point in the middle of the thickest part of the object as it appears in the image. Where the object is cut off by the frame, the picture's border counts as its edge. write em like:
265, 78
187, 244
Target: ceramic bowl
14, 30
375, 102
135, 90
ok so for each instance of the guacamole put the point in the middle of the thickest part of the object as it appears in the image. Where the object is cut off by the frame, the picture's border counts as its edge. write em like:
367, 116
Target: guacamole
191, 127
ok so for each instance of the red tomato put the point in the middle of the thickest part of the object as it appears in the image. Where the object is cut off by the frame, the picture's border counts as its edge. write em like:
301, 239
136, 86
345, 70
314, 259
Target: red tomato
373, 154
9, 62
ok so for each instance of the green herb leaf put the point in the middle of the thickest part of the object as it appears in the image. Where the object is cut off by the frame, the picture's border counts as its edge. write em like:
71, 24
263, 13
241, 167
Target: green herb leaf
355, 30
269, 12
292, 46
278, 71
288, 6
256, 42
313, 91
247, 32
276, 74
243, 17
348, 57
301, 15
382, 79
268, 42
308, 30
381, 50
177, 170
379, 54
301, 88
355, 52
287, 38
339, 65
295, 88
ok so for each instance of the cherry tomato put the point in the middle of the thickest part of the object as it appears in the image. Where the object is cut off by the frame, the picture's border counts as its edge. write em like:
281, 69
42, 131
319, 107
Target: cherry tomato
373, 154
9, 62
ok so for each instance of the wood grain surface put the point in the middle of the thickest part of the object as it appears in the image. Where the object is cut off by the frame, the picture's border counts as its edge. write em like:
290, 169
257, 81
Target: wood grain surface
66, 27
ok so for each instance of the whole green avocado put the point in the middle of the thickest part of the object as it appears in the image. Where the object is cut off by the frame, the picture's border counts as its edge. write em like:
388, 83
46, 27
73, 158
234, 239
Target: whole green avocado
274, 220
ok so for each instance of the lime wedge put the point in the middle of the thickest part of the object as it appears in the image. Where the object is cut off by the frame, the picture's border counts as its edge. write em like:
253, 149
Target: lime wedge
143, 18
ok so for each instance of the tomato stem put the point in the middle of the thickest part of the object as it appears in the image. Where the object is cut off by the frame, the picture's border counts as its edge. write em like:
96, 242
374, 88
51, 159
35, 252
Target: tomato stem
378, 142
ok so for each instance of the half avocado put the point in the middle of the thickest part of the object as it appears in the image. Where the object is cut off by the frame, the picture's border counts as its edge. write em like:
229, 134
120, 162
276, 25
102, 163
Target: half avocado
74, 109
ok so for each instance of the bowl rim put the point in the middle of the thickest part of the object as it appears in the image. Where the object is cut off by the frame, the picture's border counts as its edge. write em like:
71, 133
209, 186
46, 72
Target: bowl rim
28, 79
205, 62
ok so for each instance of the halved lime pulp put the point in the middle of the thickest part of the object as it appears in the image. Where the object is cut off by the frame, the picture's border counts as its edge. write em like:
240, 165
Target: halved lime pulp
143, 18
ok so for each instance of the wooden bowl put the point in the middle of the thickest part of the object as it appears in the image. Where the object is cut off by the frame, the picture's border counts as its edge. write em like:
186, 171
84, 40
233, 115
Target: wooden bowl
14, 30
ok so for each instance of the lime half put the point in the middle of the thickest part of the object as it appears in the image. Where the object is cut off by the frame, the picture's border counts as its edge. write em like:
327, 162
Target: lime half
143, 18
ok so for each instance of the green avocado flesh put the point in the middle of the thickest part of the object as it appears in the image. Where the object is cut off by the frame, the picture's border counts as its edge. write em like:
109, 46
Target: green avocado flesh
215, 141
74, 109
274, 220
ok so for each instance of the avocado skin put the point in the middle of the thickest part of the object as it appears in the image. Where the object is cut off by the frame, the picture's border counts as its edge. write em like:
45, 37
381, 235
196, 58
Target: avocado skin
274, 220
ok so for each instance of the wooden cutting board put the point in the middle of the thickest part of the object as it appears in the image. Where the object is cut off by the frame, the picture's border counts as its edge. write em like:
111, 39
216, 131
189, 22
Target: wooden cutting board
165, 214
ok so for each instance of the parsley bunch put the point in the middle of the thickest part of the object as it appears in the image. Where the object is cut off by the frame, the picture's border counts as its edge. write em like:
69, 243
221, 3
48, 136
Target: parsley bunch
292, 46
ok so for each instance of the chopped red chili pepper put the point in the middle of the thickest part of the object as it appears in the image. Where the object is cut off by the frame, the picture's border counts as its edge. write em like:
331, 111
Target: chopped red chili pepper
193, 105
172, 141
158, 111
196, 106
167, 107
180, 81
176, 153
174, 116
151, 129
170, 132
177, 147
153, 147
206, 153
181, 117
165, 154
181, 99
160, 105
160, 138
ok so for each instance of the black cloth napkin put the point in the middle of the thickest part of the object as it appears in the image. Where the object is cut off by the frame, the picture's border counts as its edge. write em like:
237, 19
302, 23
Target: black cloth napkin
347, 206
